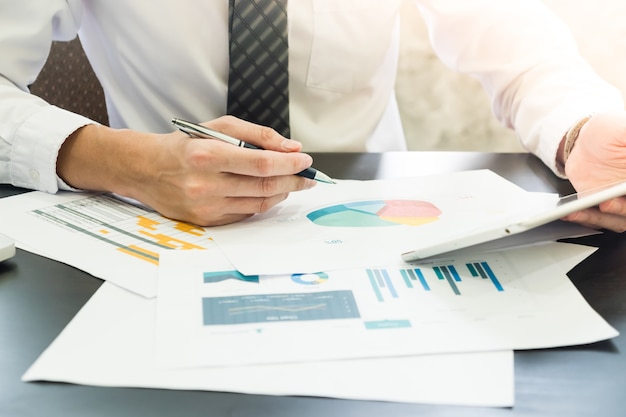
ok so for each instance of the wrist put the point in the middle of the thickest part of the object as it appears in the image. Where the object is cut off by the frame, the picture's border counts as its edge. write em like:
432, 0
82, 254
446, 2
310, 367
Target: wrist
569, 140
99, 158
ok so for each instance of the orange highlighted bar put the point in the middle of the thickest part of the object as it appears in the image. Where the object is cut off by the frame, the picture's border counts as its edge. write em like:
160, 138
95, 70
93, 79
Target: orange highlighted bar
192, 229
147, 223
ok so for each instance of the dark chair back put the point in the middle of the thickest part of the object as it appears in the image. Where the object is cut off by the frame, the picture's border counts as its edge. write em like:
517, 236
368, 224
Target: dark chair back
68, 81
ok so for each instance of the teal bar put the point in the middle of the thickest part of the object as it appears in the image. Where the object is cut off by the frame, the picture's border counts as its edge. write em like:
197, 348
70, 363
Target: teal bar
438, 272
406, 278
218, 276
472, 270
387, 324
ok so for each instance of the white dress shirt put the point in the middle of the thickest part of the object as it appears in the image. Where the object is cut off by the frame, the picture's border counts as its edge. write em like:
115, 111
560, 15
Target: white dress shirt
162, 59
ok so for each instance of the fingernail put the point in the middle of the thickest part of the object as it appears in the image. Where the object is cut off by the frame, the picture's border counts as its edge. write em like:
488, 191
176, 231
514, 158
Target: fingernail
616, 206
290, 145
307, 159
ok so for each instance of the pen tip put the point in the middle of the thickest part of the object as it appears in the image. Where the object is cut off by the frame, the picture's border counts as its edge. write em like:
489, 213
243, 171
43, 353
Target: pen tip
326, 179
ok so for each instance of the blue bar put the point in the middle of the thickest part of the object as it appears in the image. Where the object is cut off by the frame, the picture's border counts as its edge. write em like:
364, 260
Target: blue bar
392, 290
492, 276
420, 276
455, 274
379, 295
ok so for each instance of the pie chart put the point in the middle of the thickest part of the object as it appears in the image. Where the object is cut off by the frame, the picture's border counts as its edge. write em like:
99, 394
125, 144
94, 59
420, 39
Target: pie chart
376, 213
310, 279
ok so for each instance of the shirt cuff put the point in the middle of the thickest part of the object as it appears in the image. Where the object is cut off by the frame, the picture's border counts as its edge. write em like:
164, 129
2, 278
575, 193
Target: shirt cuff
553, 128
36, 147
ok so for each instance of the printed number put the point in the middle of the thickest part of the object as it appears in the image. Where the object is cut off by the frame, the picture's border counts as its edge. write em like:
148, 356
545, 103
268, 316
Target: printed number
333, 242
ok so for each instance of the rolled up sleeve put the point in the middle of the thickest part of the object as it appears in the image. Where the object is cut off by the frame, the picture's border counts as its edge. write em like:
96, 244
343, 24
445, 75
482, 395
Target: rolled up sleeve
527, 60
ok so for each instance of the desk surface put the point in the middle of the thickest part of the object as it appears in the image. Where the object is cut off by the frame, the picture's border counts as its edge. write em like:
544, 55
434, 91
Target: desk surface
38, 297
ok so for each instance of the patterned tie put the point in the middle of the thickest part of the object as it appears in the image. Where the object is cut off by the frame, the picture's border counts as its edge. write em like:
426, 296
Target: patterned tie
258, 81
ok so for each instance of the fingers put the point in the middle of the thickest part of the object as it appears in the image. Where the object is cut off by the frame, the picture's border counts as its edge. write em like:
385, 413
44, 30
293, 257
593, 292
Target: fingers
614, 206
265, 163
210, 183
610, 215
261, 136
231, 210
226, 200
244, 186
215, 156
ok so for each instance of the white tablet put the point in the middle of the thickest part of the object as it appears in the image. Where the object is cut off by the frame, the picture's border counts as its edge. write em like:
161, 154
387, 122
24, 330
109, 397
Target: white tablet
7, 248
563, 206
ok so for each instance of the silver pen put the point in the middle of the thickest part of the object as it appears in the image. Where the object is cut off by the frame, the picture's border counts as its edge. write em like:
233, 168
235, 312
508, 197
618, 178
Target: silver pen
199, 131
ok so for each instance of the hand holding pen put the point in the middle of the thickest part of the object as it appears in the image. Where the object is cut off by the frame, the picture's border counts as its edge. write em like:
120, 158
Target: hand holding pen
199, 131
204, 182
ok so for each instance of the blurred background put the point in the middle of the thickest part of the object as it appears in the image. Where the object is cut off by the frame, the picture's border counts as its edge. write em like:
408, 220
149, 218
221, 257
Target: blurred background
444, 110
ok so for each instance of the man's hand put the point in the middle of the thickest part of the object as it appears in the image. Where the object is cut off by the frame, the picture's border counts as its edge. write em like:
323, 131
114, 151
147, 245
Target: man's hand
202, 181
599, 158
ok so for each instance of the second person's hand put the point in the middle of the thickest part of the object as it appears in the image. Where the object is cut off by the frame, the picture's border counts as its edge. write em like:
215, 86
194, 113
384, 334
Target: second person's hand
597, 159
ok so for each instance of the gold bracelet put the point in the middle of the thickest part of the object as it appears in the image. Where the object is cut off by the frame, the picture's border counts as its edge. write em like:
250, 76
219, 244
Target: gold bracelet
571, 136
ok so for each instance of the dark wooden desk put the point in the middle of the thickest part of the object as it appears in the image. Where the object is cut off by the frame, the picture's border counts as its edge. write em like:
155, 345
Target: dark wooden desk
38, 297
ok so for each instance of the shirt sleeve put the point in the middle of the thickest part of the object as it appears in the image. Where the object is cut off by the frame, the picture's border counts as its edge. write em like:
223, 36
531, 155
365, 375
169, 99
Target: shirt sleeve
31, 130
527, 60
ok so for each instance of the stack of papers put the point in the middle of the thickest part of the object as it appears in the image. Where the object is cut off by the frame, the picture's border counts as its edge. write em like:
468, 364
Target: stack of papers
109, 341
311, 298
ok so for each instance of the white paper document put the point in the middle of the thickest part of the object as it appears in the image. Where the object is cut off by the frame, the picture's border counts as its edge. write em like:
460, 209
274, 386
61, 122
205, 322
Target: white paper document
211, 315
104, 236
351, 224
371, 223
110, 342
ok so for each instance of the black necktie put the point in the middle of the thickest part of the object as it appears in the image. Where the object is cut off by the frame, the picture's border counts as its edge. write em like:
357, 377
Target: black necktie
258, 81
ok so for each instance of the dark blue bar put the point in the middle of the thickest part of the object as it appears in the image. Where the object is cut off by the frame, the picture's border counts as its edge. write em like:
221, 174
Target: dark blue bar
454, 272
481, 270
492, 276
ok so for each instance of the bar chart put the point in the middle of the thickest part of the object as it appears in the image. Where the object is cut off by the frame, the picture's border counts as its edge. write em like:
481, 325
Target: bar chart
130, 229
384, 281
